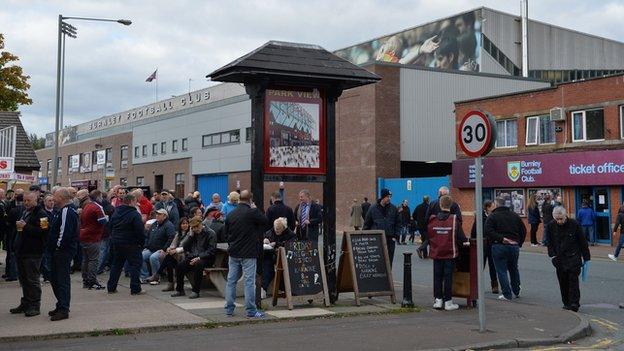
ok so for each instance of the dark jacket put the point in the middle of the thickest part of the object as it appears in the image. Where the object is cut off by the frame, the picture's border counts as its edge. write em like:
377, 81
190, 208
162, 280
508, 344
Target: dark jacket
444, 246
384, 218
504, 223
127, 227
533, 215
619, 221
473, 230
64, 230
279, 209
567, 245
547, 210
405, 216
202, 244
365, 207
315, 216
280, 240
243, 231
434, 208
420, 216
31, 241
217, 227
159, 236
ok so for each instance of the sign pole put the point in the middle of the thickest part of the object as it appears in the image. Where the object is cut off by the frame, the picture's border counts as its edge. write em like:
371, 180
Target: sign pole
479, 219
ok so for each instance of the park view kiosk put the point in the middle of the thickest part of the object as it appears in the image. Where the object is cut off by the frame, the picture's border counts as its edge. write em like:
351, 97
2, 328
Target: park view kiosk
293, 89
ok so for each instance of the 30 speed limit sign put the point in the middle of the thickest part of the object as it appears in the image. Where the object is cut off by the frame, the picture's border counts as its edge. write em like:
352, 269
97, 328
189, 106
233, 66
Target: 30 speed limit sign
476, 134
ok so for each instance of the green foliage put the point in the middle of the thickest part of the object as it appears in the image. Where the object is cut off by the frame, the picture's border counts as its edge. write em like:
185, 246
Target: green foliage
36, 142
13, 83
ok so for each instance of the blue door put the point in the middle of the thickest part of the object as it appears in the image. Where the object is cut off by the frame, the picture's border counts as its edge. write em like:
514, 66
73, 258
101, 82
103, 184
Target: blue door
598, 199
209, 184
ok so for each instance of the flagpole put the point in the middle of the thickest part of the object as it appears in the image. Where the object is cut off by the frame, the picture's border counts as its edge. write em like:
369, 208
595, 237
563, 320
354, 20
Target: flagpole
156, 84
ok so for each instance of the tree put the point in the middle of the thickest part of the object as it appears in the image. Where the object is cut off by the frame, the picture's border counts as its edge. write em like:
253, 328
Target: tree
36, 142
13, 83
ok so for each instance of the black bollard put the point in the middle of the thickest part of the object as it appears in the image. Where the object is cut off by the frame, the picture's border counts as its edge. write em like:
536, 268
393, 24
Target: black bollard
407, 281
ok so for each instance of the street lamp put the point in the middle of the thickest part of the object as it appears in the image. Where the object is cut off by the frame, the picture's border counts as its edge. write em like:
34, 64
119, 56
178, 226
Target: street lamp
66, 29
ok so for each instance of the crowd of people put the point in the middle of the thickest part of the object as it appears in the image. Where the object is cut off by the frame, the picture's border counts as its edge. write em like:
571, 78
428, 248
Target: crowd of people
50, 235
295, 156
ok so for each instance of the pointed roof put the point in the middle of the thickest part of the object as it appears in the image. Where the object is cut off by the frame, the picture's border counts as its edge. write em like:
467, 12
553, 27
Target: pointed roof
294, 62
25, 157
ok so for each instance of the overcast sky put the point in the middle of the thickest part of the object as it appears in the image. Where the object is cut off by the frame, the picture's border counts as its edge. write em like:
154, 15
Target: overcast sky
106, 66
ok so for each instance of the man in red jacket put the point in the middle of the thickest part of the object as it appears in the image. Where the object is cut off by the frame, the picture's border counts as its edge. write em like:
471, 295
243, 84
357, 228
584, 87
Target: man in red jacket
92, 221
145, 205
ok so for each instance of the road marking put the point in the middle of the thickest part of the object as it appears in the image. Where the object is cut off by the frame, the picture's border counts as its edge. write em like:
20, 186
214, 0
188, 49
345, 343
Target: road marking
605, 323
601, 344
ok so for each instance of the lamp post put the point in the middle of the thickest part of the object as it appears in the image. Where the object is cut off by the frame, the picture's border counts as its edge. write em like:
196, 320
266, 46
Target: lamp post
64, 29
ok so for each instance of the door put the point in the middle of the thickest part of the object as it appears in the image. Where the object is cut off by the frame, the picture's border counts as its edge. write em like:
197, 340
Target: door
158, 183
603, 215
209, 184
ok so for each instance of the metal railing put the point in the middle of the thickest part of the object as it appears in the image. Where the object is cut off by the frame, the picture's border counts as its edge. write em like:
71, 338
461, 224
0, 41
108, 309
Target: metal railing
8, 140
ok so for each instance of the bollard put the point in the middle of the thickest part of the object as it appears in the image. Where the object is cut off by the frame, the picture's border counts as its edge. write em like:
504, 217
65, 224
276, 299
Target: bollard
407, 281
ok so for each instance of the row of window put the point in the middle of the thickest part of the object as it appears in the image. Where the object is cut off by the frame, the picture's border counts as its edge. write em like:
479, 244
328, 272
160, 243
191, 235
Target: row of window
142, 151
587, 125
179, 180
561, 76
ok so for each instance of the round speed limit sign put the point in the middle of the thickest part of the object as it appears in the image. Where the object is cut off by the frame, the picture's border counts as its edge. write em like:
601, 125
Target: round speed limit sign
476, 134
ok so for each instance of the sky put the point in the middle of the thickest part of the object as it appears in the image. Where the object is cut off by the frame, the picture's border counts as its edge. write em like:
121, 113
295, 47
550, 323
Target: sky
106, 66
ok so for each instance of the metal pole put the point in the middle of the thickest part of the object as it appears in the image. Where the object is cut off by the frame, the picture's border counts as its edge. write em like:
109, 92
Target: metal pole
62, 115
479, 219
524, 4
58, 105
407, 281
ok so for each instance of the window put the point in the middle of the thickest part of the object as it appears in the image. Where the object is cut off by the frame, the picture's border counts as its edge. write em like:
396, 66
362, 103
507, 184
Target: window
179, 178
140, 181
49, 167
109, 157
248, 134
184, 144
124, 156
154, 149
136, 152
507, 133
144, 150
60, 166
163, 147
622, 121
540, 130
179, 184
174, 146
588, 125
123, 182
229, 137
94, 160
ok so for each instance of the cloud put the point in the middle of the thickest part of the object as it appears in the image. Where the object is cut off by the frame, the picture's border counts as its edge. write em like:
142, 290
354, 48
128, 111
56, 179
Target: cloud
107, 64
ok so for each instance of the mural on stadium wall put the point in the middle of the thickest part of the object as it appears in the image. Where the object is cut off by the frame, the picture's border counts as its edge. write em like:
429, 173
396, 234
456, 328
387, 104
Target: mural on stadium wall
453, 43
294, 132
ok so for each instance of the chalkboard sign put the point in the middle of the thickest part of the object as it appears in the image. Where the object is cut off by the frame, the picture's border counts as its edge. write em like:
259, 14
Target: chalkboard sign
300, 270
364, 266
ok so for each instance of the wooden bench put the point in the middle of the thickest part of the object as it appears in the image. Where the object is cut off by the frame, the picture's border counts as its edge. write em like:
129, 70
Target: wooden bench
215, 277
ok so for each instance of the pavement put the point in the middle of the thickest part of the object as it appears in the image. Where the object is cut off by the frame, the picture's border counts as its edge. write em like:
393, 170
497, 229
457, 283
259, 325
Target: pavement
114, 317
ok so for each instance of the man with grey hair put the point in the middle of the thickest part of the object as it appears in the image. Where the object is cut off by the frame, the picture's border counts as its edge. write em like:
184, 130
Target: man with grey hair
505, 230
308, 218
567, 246
432, 210
216, 202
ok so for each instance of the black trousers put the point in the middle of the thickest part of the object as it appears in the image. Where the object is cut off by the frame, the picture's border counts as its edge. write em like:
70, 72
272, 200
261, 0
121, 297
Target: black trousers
61, 279
28, 275
534, 227
443, 279
569, 286
122, 254
391, 247
198, 273
168, 264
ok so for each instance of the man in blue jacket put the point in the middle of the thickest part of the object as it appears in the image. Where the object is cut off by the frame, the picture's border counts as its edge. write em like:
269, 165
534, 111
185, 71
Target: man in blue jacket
62, 246
127, 240
586, 217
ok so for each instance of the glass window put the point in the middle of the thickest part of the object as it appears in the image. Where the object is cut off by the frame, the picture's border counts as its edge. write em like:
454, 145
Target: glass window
225, 138
179, 178
123, 181
163, 147
109, 157
174, 146
206, 140
248, 134
136, 152
140, 181
155, 149
216, 139
588, 125
507, 133
49, 167
235, 136
184, 144
578, 126
622, 121
540, 130
124, 156
531, 130
144, 150
60, 165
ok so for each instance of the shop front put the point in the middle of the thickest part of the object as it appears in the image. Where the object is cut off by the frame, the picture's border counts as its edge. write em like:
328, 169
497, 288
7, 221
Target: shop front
570, 178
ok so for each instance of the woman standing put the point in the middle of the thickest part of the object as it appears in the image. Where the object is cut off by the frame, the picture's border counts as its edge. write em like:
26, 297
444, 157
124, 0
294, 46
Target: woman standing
356, 215
534, 218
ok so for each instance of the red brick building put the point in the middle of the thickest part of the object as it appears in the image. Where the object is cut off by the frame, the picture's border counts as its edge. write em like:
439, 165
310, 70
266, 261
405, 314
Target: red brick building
567, 140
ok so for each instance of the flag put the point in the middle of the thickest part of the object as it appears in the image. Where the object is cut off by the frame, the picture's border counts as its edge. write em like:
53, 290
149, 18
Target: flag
151, 77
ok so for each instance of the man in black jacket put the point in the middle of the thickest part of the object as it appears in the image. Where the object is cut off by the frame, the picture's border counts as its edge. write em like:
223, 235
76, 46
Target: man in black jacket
200, 248
569, 251
547, 217
278, 210
365, 207
32, 229
159, 237
384, 216
243, 229
308, 217
127, 240
14, 210
505, 230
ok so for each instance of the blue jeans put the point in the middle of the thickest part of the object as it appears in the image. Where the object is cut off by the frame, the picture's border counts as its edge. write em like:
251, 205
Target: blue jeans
238, 267
154, 260
105, 256
588, 230
506, 261
619, 245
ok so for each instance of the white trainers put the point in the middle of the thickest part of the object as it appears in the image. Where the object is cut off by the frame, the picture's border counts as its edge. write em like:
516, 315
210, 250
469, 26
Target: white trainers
613, 258
437, 304
450, 306
262, 293
502, 297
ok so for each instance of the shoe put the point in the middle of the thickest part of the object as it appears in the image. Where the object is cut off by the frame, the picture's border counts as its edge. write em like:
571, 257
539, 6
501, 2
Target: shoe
566, 307
18, 309
437, 304
450, 306
194, 295
59, 315
420, 253
53, 312
574, 308
262, 293
178, 294
534, 245
153, 278
502, 297
142, 292
257, 315
154, 282
96, 286
32, 313
494, 286
112, 291
170, 287
613, 258
144, 281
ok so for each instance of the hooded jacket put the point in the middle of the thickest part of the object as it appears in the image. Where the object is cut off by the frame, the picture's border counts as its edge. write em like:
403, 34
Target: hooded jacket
127, 227
567, 245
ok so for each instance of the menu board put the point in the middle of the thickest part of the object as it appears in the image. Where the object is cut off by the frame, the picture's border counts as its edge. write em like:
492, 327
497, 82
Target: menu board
370, 263
304, 268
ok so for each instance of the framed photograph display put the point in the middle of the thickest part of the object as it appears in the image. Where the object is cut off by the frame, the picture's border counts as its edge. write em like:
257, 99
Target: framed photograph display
516, 199
541, 194
294, 132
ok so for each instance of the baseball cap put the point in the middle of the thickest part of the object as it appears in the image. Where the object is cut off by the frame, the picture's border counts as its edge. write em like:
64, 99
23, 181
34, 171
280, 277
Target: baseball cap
162, 211
385, 192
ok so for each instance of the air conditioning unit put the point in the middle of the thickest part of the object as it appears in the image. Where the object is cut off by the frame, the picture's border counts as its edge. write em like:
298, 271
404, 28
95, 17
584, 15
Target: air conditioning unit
557, 114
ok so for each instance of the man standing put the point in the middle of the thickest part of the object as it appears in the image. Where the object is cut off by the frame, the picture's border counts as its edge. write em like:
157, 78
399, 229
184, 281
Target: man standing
15, 210
434, 208
62, 244
384, 216
365, 207
92, 221
568, 249
48, 207
419, 216
505, 230
127, 239
308, 217
547, 217
29, 243
279, 209
243, 231
159, 237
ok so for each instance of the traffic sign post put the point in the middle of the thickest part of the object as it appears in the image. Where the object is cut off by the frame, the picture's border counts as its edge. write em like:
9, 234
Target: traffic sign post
477, 136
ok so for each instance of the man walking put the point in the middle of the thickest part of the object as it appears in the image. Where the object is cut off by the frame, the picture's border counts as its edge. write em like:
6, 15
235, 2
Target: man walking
505, 230
29, 243
308, 217
92, 221
243, 229
62, 244
568, 249
384, 216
